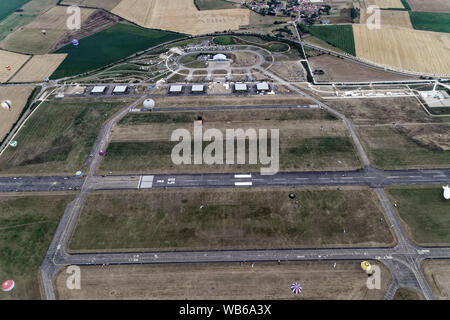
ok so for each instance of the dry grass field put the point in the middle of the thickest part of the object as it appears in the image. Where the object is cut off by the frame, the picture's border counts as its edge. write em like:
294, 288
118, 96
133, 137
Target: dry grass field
395, 18
31, 41
344, 70
385, 3
18, 97
180, 16
14, 60
39, 68
183, 101
56, 18
430, 5
404, 49
309, 140
221, 218
437, 273
219, 281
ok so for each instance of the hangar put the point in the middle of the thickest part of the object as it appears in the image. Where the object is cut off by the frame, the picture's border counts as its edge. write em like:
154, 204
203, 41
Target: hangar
120, 90
262, 86
176, 88
240, 87
98, 90
198, 88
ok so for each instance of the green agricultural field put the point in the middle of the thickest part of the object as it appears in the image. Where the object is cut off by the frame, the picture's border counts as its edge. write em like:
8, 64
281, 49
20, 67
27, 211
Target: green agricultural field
340, 36
117, 42
214, 4
12, 22
196, 219
224, 40
425, 213
9, 6
27, 227
58, 137
388, 148
430, 21
406, 4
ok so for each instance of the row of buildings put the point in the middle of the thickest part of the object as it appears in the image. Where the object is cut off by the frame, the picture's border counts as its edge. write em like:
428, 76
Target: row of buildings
200, 88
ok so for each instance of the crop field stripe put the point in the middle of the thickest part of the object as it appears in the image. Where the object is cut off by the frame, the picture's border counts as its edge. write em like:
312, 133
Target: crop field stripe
340, 36
9, 6
213, 4
430, 21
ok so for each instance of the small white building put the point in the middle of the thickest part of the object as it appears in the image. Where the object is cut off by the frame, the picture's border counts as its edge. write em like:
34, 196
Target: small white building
240, 87
98, 90
120, 89
198, 88
262, 86
176, 88
220, 57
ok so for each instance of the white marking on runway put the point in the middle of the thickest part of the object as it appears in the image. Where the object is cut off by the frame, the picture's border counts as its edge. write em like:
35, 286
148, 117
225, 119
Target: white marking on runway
242, 176
146, 182
249, 183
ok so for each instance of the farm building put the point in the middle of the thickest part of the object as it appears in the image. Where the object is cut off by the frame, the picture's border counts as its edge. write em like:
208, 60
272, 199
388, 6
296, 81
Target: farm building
240, 87
98, 90
262, 87
198, 88
120, 90
176, 89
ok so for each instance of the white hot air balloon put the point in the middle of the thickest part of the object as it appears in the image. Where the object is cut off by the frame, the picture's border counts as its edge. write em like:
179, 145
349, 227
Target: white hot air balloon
7, 104
149, 104
446, 192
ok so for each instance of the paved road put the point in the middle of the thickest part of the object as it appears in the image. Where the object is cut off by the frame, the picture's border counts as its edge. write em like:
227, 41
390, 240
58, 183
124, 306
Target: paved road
368, 177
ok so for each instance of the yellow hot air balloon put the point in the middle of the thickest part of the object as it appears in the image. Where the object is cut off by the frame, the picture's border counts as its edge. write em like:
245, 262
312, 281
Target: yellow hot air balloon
366, 266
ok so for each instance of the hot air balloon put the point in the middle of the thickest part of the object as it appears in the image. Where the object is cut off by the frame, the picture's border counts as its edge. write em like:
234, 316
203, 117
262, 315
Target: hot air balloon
446, 192
102, 153
366, 266
149, 104
13, 143
75, 42
7, 104
8, 285
296, 288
